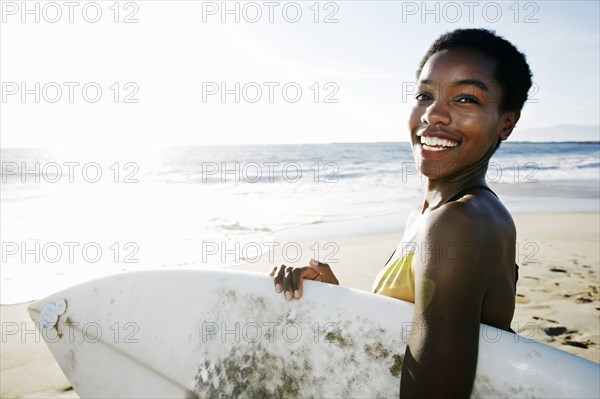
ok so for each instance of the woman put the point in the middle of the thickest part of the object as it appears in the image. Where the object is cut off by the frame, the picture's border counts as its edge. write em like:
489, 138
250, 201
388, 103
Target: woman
457, 259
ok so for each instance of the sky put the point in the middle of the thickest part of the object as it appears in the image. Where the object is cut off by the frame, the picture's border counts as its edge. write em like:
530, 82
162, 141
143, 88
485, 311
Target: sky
154, 73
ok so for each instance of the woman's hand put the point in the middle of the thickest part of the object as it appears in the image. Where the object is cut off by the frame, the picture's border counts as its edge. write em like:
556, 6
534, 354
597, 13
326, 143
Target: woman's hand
289, 279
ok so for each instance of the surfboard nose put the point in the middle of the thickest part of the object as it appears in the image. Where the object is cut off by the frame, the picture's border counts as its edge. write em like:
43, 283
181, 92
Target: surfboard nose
47, 311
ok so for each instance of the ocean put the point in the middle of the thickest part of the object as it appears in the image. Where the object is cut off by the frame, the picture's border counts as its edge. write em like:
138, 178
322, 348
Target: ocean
71, 217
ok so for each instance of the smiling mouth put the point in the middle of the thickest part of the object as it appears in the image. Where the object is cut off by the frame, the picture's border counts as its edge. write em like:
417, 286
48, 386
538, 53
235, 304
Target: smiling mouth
436, 143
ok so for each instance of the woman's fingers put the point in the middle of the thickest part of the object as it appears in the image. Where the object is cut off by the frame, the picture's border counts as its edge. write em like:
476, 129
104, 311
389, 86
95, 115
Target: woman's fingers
288, 291
278, 280
290, 279
297, 282
298, 276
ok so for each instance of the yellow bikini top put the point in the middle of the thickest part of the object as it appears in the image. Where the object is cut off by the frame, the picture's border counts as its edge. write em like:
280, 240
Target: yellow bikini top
397, 278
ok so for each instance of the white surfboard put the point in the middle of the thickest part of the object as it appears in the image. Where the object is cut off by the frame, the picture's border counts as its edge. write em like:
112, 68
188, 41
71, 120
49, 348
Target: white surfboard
216, 334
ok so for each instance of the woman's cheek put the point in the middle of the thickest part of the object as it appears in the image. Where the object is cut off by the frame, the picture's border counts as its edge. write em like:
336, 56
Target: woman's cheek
415, 115
414, 121
469, 122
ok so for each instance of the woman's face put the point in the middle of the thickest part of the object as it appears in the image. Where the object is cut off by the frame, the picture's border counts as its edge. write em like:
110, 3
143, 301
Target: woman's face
456, 117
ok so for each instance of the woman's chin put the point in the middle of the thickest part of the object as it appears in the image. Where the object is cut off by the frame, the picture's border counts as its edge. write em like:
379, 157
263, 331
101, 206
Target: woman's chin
434, 169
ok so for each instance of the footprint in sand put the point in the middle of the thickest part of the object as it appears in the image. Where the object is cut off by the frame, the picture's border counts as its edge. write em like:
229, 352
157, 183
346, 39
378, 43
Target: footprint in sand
521, 299
557, 270
582, 299
567, 339
544, 319
554, 331
578, 344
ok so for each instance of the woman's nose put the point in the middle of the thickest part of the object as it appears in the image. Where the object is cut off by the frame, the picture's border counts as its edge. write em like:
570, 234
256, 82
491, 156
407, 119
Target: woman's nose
436, 113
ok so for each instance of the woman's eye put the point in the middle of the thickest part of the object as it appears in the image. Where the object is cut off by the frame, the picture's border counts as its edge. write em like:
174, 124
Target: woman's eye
423, 97
467, 100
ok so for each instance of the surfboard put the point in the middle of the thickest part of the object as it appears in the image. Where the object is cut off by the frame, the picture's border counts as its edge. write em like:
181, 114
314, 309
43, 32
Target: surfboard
216, 334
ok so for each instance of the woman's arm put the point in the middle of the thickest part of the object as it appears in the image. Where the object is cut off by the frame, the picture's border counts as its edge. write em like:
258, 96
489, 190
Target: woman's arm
451, 278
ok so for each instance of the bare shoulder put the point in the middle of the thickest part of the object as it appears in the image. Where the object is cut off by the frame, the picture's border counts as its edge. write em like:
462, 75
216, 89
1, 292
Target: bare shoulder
474, 239
480, 216
468, 243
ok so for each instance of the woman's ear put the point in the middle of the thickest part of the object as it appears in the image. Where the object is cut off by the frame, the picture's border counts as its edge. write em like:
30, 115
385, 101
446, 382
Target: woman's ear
508, 123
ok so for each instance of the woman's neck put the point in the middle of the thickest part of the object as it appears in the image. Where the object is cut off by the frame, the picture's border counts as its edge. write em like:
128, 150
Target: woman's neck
438, 191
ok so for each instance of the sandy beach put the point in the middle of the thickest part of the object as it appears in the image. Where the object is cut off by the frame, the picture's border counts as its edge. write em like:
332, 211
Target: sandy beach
557, 296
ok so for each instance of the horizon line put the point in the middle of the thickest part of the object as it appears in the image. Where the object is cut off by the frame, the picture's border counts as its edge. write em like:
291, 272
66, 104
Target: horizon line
295, 144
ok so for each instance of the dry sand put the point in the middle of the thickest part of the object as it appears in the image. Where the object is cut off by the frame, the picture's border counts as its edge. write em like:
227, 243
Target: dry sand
557, 293
557, 296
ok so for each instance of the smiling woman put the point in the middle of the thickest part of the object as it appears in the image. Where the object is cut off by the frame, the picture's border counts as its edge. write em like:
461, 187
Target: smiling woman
456, 261
472, 87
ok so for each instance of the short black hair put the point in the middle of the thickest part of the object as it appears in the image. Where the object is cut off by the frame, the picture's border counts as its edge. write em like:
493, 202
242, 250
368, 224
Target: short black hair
512, 71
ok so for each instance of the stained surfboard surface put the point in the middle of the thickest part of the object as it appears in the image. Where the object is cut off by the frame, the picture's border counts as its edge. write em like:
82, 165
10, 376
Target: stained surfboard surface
217, 334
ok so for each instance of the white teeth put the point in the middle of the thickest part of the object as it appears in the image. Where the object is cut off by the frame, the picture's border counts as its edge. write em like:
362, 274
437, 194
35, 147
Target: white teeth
435, 141
428, 148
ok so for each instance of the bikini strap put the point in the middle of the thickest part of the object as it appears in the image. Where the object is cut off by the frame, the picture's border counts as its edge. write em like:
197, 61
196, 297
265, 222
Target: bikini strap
466, 190
391, 256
